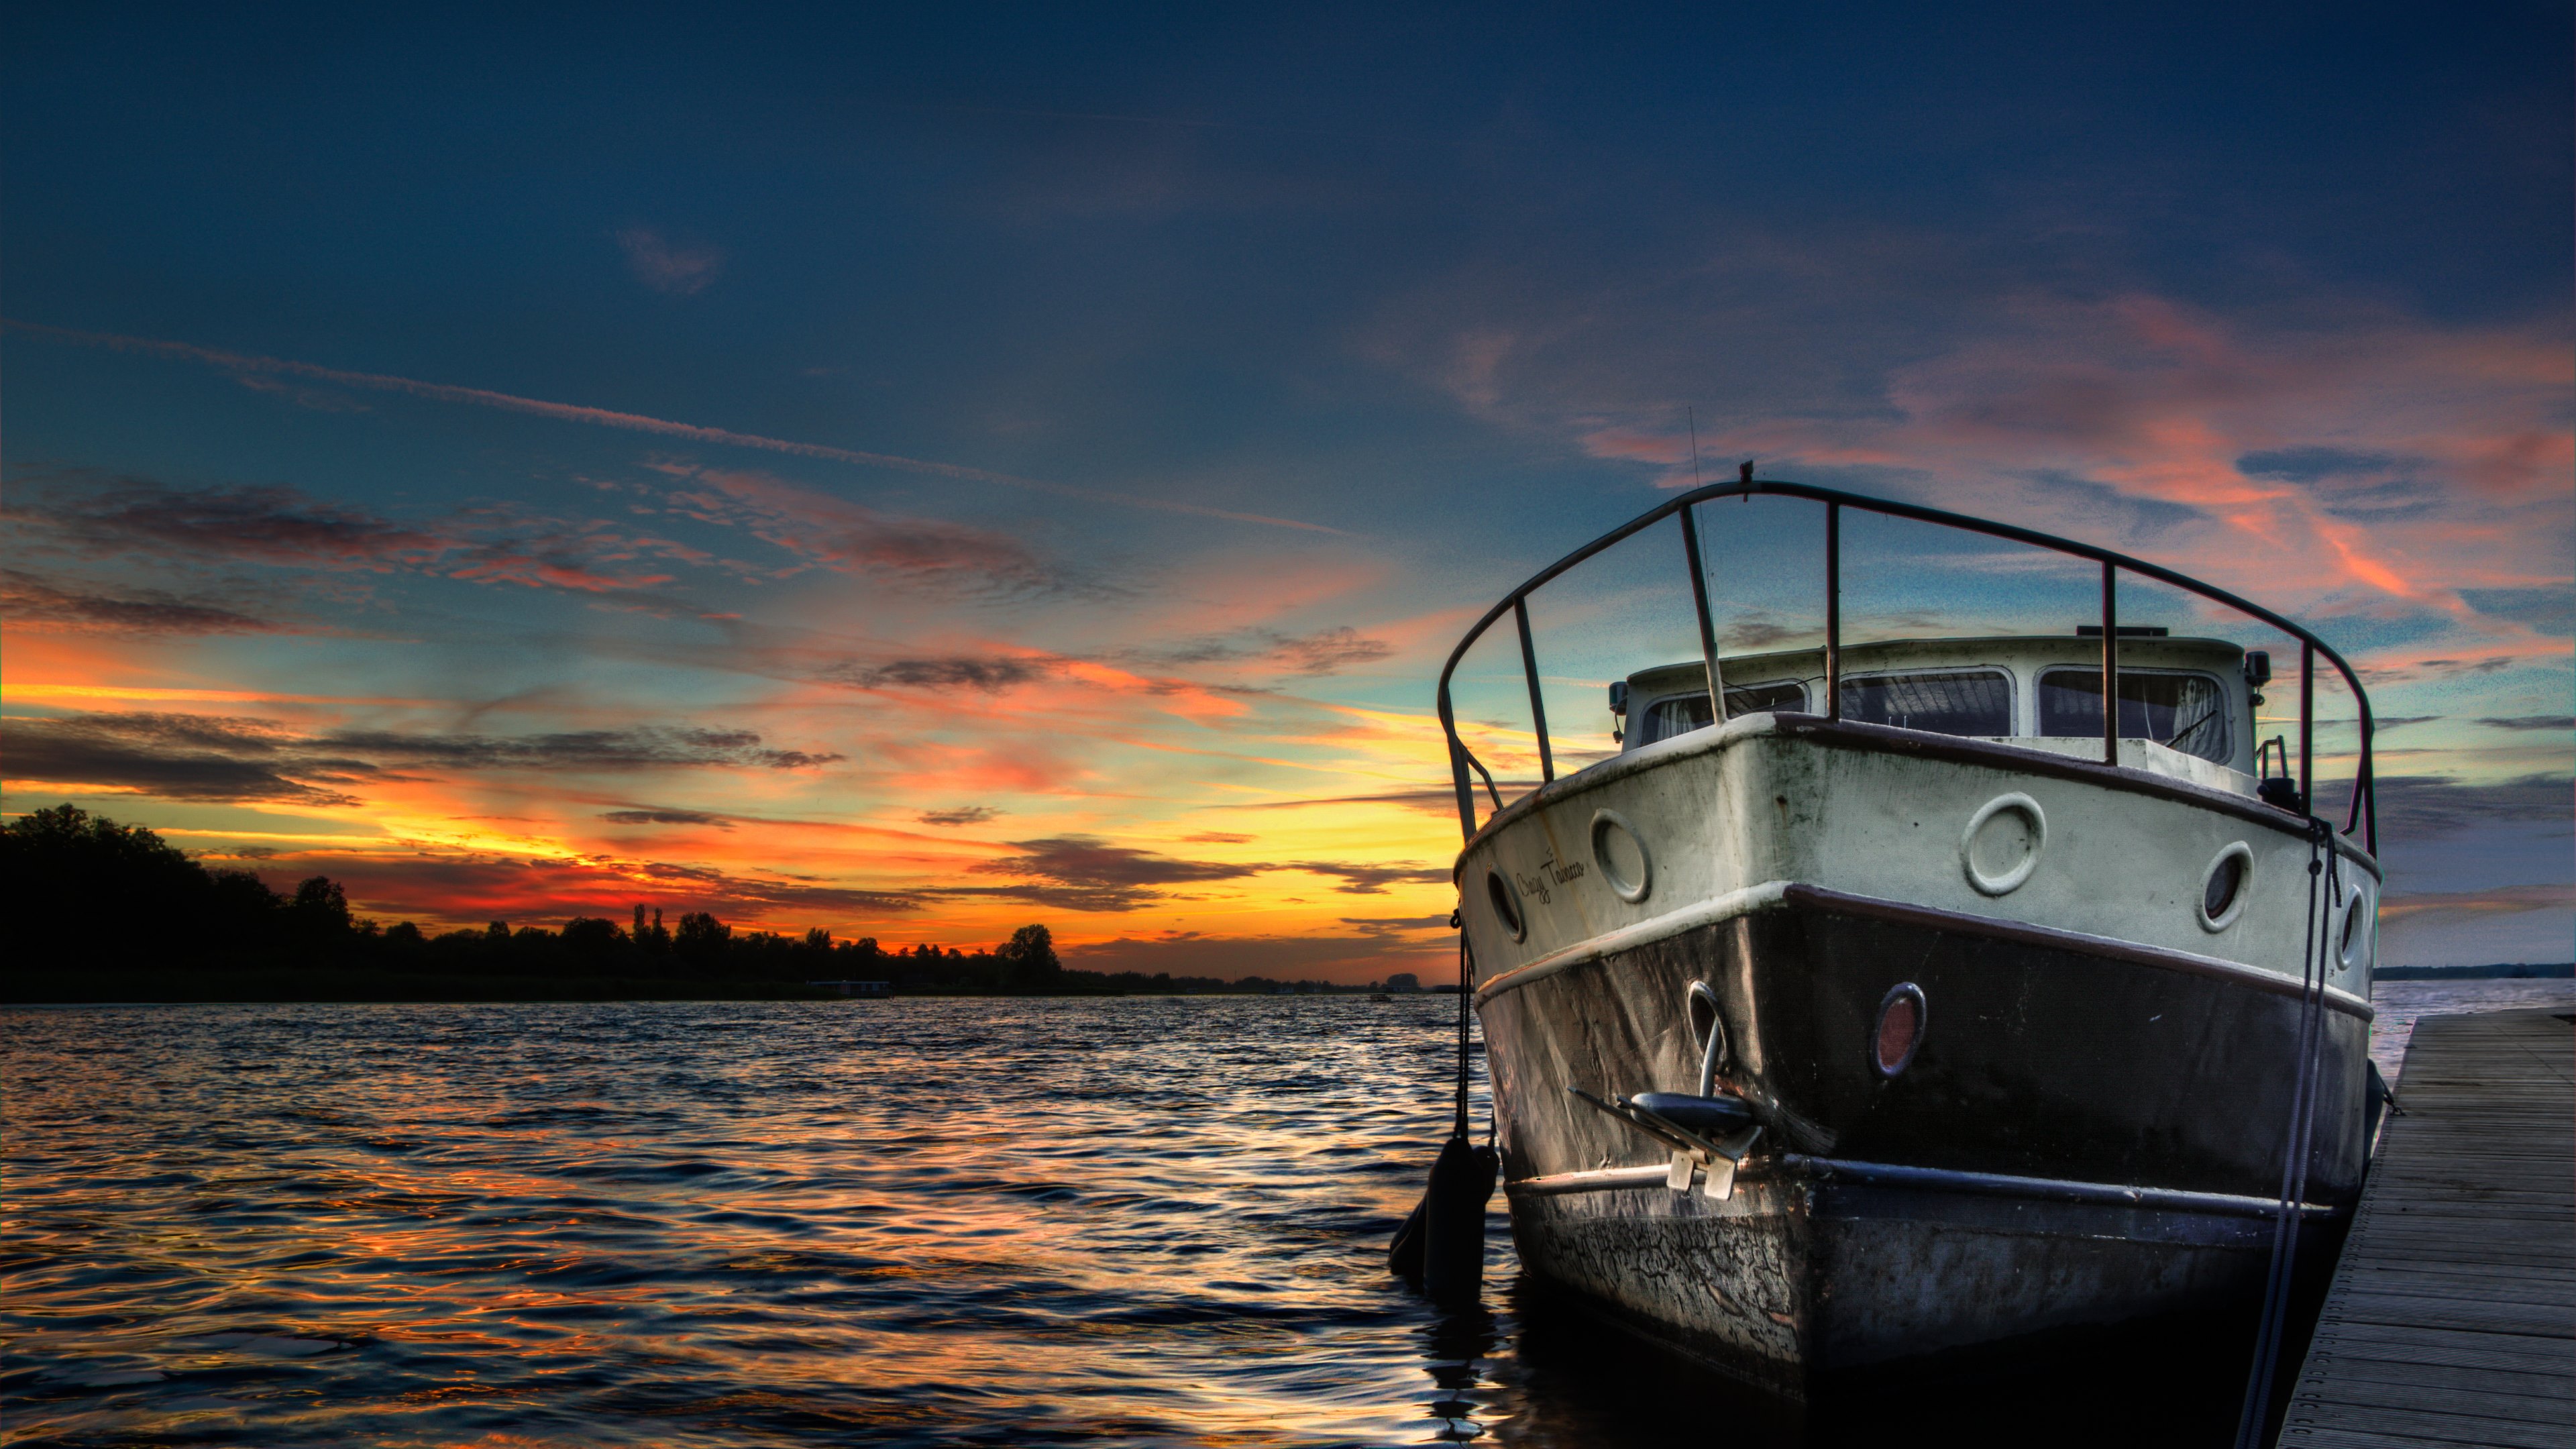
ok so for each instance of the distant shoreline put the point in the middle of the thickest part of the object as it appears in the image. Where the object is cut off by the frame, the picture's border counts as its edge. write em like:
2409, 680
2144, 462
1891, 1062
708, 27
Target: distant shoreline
2518, 971
292, 987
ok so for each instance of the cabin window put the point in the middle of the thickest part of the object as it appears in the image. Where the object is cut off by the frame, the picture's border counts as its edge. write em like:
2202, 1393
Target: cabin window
1944, 701
1684, 713
2185, 711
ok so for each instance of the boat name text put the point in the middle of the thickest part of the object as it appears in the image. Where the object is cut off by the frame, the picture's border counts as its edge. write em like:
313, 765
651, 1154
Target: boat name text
1549, 871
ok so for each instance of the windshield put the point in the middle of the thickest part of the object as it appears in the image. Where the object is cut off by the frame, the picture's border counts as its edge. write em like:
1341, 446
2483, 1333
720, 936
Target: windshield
1684, 713
2186, 711
1944, 701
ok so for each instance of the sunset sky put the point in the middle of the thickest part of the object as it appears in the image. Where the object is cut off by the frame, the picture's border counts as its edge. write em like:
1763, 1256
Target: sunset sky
918, 476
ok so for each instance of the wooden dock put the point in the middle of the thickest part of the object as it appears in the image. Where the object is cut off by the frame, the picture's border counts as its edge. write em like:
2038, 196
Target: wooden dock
2452, 1316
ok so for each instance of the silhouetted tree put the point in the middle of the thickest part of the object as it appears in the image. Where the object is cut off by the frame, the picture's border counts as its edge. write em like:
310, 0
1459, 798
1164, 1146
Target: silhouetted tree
701, 940
1028, 961
83, 891
321, 902
78, 882
592, 945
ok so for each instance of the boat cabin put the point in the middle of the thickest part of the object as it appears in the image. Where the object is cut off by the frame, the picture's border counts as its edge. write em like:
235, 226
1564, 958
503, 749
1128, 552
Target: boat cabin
2188, 703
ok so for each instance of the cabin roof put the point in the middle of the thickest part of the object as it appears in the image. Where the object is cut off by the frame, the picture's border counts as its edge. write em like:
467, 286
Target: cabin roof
2138, 651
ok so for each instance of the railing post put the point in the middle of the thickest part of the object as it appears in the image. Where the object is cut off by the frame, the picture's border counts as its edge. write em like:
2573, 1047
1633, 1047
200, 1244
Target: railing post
1707, 628
2110, 664
2307, 724
1833, 611
1466, 789
1538, 706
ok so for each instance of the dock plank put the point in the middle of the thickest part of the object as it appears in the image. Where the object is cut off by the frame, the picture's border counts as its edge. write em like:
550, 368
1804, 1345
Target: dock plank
2452, 1316
2453, 1378
2418, 1424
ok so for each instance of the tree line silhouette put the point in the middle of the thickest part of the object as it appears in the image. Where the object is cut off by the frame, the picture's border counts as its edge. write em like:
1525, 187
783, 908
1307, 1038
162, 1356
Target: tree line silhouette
89, 895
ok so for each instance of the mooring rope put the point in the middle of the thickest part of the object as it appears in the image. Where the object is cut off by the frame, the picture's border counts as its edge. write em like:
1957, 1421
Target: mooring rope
2323, 869
1460, 1128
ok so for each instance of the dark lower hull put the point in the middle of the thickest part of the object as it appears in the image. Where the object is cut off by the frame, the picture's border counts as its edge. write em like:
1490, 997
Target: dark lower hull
2083, 1139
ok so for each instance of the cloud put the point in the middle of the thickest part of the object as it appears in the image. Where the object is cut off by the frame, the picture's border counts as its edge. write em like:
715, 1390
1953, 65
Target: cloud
280, 527
680, 271
2315, 464
1087, 873
472, 889
2416, 806
26, 600
1371, 954
1326, 651
210, 757
174, 766
961, 815
240, 364
1329, 650
2549, 610
2324, 450
666, 817
643, 747
269, 525
2496, 901
2557, 722
1217, 837
990, 673
1372, 880
852, 538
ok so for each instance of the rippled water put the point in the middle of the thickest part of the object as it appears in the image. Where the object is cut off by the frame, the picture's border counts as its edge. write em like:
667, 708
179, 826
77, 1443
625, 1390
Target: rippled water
2399, 1003
910, 1221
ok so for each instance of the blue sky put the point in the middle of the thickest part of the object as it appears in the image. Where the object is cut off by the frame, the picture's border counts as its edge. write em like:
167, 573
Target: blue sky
1117, 414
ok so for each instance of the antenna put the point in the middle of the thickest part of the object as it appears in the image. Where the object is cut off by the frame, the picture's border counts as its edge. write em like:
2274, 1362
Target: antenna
1693, 415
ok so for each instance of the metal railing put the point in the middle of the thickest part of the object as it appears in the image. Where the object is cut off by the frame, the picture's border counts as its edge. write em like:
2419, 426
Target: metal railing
2363, 814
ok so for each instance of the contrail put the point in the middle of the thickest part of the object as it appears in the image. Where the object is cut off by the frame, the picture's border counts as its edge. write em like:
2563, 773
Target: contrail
630, 422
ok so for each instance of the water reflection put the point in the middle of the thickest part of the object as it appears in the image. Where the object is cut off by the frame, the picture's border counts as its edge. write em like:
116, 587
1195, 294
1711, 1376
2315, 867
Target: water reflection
1149, 1221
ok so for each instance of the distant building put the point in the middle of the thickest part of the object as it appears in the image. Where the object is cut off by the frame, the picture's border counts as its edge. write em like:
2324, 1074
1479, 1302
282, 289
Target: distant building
853, 988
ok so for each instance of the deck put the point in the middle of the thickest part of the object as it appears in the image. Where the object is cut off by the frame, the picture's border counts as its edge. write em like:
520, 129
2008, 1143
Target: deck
2452, 1316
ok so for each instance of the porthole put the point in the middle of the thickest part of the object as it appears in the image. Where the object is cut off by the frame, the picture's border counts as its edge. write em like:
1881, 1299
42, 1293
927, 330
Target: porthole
2001, 846
1898, 1033
2354, 944
1507, 905
2223, 887
1620, 854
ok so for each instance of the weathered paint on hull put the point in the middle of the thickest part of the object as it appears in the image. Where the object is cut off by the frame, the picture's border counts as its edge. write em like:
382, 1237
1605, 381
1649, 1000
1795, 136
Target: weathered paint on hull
2039, 1061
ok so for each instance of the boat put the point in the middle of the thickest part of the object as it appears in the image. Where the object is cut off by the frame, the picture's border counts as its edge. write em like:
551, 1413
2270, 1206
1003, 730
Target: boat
1937, 995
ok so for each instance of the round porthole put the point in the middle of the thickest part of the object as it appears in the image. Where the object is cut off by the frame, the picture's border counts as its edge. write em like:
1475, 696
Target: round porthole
1708, 1031
1898, 1033
2001, 846
2222, 887
1507, 904
1620, 854
2354, 943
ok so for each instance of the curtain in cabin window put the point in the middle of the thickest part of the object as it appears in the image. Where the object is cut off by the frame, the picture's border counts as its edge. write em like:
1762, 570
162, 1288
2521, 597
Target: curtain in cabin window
1946, 702
1666, 718
2185, 711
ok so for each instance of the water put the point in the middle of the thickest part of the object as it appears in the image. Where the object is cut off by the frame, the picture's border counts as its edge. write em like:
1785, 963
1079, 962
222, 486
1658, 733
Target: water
1154, 1221
2399, 1003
